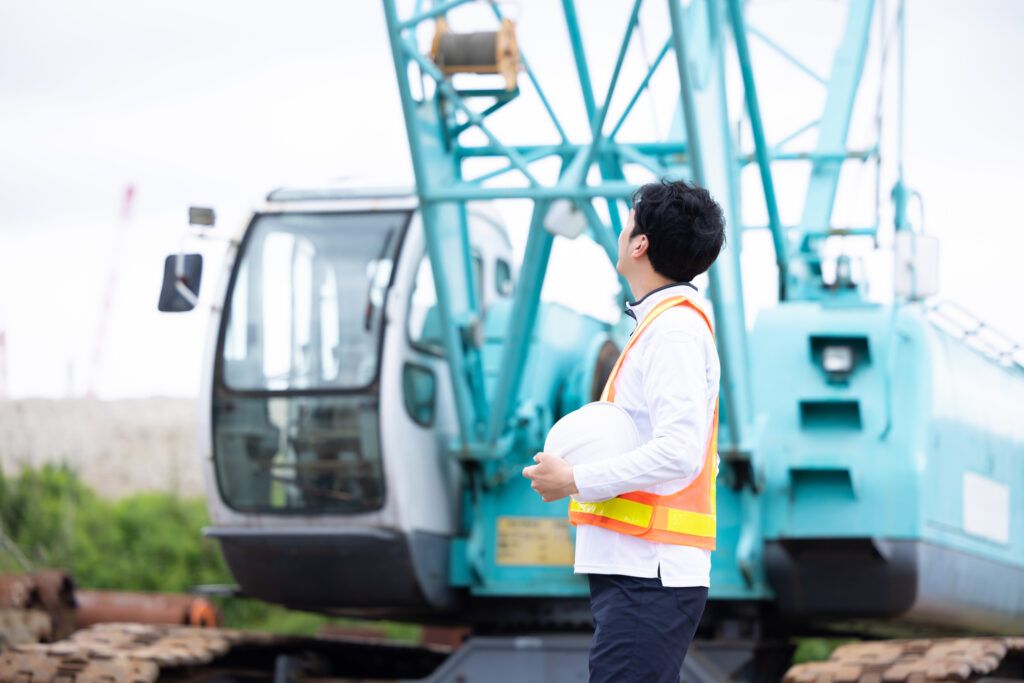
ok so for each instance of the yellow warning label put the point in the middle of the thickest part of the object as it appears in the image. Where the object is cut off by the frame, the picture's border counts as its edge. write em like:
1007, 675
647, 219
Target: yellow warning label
534, 541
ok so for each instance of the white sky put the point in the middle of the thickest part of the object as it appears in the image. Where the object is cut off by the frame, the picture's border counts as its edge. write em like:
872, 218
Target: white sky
194, 102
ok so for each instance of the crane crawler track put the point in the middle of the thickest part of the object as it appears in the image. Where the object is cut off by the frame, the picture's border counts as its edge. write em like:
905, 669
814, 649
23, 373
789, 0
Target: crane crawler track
952, 659
142, 653
123, 653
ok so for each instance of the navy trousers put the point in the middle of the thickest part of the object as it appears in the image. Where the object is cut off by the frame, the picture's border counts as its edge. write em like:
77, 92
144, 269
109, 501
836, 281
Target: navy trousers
641, 628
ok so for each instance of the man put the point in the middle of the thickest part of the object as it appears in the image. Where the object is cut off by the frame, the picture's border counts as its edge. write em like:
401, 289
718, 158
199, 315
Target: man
647, 550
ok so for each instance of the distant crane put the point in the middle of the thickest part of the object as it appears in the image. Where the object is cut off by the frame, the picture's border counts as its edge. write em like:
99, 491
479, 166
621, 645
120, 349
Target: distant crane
110, 290
3, 363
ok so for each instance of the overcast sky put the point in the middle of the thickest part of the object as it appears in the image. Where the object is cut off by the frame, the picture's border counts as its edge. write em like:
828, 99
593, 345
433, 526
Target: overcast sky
214, 103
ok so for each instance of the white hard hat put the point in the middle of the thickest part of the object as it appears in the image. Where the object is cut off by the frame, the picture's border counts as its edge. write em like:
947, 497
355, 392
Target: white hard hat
595, 432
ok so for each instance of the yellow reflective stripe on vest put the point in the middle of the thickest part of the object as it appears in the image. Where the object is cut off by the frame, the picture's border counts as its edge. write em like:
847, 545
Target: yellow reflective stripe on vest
692, 523
619, 509
639, 515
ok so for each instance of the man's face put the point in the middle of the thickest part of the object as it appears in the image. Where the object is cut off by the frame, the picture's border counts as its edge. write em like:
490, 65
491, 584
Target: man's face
623, 266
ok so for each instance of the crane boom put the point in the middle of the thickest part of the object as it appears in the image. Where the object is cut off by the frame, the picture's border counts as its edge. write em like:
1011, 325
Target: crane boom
700, 148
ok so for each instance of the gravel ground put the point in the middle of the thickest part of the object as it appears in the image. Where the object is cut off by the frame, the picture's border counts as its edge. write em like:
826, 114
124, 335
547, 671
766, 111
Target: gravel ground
117, 447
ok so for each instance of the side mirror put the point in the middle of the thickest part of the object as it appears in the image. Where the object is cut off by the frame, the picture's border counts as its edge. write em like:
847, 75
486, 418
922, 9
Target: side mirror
182, 275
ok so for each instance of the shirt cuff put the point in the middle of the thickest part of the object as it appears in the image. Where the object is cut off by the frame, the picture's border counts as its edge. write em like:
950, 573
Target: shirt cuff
590, 491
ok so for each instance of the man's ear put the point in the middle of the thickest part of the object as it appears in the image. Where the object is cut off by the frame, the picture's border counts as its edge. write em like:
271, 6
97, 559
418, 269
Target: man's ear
639, 247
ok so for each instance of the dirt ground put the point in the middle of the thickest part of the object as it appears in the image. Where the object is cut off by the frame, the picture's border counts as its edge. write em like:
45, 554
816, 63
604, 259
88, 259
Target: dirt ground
118, 447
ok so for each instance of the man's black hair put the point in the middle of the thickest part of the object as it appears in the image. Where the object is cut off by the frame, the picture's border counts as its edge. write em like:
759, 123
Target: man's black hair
685, 227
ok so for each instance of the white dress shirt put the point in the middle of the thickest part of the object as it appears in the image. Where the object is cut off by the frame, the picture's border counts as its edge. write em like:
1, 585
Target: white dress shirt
668, 384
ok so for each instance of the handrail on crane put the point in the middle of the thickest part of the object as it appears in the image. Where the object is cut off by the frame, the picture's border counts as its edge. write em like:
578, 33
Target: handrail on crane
960, 322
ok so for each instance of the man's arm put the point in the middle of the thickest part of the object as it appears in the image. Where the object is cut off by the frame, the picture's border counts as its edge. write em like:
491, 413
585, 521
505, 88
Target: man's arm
675, 389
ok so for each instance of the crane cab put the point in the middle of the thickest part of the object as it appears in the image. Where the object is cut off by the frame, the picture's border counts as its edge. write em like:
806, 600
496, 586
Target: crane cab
327, 404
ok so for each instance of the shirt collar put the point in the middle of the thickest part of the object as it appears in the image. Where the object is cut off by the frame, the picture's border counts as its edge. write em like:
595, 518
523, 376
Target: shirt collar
638, 310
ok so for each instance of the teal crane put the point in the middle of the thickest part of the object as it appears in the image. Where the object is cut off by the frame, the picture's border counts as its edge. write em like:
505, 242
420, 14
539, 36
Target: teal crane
830, 443
871, 452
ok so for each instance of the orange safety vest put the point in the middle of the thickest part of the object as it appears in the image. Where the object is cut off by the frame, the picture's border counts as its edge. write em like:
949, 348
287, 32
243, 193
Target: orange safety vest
686, 517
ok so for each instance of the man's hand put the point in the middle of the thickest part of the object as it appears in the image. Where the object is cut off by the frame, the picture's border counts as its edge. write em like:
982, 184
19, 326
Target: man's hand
551, 477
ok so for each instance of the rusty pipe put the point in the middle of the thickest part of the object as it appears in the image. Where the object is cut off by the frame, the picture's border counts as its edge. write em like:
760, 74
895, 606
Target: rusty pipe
96, 607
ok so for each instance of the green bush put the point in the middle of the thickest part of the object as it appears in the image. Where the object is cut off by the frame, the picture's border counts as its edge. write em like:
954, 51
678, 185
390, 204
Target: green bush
146, 541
